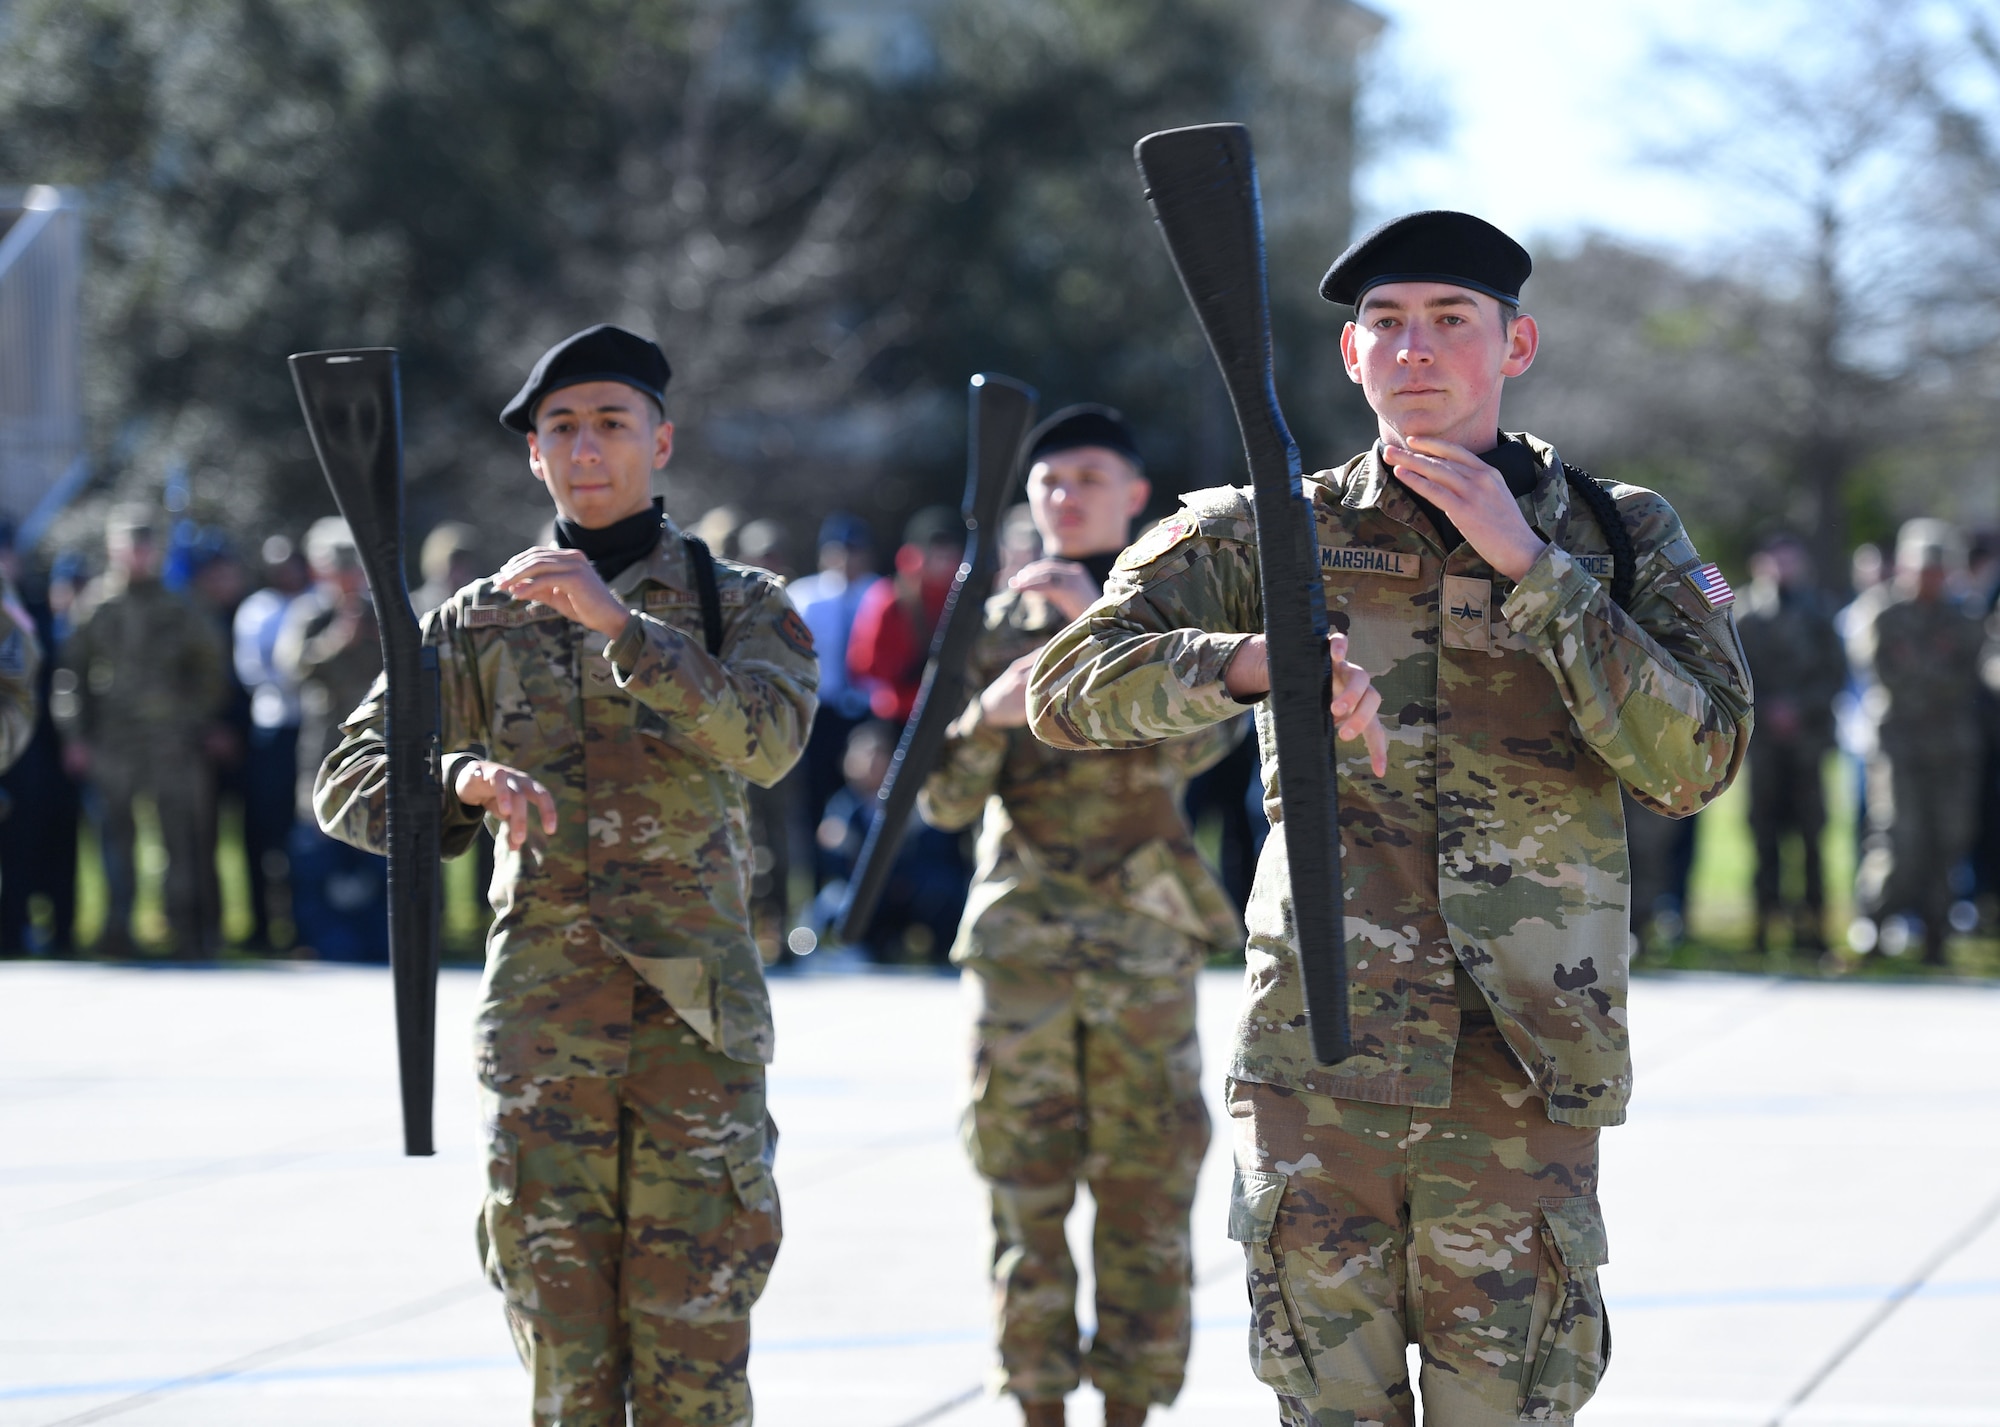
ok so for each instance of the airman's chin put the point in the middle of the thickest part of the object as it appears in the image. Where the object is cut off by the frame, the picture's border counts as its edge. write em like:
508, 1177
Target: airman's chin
1417, 423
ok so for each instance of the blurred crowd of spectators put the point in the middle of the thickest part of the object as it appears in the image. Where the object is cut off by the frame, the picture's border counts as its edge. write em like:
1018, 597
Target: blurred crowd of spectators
1903, 683
184, 678
210, 687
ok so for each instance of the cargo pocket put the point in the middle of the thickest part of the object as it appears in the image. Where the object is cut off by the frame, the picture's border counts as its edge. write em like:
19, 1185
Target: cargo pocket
749, 1240
1573, 1344
503, 1167
506, 1272
750, 1171
1276, 1354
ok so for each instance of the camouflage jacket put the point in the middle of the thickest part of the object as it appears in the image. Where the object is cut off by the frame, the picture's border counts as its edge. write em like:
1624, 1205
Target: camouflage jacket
20, 661
646, 744
141, 673
1066, 831
1496, 842
1796, 655
1920, 662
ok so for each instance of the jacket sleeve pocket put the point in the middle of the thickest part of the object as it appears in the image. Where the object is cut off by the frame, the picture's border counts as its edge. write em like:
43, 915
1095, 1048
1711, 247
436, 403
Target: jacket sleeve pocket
1276, 1354
1571, 1335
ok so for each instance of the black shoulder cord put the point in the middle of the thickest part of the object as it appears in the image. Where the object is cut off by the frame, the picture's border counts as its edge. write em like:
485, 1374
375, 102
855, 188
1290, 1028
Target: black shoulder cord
1624, 561
702, 560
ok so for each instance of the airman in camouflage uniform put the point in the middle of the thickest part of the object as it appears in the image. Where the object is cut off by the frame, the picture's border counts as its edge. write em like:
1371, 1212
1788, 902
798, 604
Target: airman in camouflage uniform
631, 1217
1918, 653
1440, 1186
1799, 665
1089, 915
138, 682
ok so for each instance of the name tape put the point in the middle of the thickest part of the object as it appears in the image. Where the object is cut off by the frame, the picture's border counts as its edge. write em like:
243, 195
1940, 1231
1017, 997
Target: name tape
1398, 564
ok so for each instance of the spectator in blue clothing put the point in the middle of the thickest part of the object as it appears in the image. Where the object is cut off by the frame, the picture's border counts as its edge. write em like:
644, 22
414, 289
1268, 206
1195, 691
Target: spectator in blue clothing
827, 602
271, 752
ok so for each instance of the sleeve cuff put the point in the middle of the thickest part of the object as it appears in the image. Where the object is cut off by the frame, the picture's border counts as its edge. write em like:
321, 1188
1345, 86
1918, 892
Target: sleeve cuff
1553, 584
624, 650
449, 768
972, 728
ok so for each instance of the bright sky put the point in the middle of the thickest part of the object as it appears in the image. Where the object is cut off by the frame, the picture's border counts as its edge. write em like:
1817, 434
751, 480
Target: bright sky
1549, 138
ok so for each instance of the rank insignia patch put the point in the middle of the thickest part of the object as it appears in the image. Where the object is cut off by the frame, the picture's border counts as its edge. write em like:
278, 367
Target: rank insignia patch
1466, 622
1709, 584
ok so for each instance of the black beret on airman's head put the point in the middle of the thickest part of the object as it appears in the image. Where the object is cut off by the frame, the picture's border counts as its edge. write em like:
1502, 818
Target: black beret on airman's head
1084, 425
1435, 246
596, 354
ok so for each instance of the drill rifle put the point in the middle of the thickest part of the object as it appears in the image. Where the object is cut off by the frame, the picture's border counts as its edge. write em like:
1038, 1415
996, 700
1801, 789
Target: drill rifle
1202, 184
1002, 410
353, 407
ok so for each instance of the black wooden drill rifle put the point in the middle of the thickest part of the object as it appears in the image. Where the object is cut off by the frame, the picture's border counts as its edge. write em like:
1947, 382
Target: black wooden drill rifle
353, 408
1002, 410
1202, 184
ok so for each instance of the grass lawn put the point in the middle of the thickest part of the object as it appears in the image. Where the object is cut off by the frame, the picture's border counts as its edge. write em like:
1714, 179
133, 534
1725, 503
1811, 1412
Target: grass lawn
465, 911
1721, 918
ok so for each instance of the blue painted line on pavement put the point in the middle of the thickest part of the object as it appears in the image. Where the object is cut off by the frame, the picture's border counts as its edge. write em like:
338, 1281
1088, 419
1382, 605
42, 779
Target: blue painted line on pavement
420, 1366
1738, 1298
1828, 1293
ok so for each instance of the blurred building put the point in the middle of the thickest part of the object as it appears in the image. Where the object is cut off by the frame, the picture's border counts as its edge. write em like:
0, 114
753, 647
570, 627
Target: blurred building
42, 460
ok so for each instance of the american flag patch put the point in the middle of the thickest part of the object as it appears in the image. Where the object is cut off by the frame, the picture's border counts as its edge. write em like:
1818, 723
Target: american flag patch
1709, 584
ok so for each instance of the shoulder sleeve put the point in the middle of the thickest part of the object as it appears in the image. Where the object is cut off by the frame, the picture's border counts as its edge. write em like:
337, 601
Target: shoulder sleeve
350, 791
748, 709
1145, 662
969, 763
1661, 691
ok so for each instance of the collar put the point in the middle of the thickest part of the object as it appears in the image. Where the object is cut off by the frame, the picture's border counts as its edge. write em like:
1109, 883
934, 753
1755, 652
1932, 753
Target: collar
1526, 461
615, 548
666, 565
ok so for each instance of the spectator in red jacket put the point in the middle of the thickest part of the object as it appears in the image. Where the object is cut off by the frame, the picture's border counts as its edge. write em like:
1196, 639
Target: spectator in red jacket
892, 628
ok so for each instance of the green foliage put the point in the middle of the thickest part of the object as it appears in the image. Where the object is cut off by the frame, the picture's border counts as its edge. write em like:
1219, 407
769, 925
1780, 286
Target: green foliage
827, 250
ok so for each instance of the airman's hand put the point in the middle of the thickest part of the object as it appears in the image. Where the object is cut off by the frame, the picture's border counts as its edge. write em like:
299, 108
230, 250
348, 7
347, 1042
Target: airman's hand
565, 582
1063, 583
1356, 706
509, 795
1473, 496
1004, 703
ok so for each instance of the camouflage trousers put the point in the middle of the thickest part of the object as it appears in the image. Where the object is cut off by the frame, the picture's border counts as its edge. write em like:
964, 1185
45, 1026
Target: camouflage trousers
631, 1224
1471, 1231
1923, 815
1091, 1076
181, 785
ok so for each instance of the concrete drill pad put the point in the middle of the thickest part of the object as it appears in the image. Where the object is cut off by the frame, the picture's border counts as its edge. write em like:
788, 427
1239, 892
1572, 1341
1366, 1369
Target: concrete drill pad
206, 1219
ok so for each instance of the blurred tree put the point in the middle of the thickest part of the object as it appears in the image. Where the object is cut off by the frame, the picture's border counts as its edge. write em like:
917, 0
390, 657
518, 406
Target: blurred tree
826, 248
1684, 382
1833, 142
465, 181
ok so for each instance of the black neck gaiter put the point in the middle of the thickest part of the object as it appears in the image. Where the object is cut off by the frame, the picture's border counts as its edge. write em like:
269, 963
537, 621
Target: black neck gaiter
617, 547
1100, 565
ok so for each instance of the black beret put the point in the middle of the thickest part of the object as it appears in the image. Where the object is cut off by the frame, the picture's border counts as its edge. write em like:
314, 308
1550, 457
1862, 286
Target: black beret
596, 354
1084, 425
1436, 246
